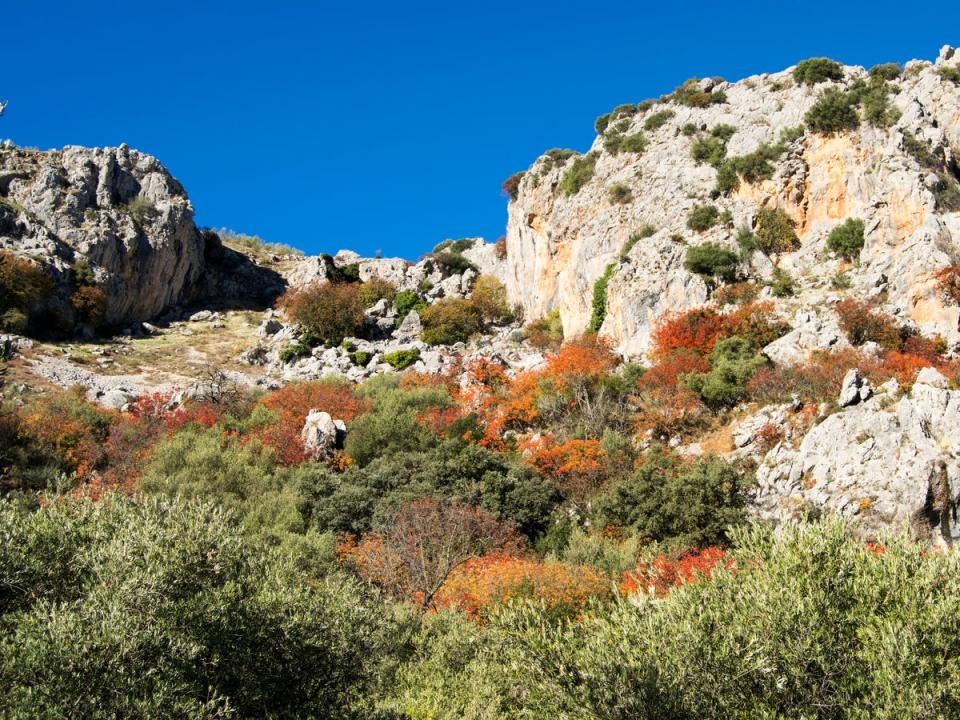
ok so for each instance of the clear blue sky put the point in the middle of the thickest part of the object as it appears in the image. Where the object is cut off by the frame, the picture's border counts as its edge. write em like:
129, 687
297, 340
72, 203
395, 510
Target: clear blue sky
390, 126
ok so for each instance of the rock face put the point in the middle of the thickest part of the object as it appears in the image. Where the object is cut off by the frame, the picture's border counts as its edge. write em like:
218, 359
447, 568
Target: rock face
558, 245
115, 207
885, 462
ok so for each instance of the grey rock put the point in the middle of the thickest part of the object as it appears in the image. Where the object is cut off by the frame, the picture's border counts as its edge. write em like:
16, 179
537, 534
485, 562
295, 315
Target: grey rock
321, 434
884, 463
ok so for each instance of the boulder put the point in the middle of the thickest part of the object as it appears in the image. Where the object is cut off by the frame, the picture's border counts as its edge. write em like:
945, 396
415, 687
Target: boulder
322, 435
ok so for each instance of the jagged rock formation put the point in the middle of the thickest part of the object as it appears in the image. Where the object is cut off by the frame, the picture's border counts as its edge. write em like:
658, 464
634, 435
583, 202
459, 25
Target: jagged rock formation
116, 207
123, 213
558, 245
884, 461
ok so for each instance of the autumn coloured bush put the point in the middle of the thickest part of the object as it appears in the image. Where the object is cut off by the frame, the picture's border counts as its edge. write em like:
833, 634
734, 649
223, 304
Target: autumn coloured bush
576, 467
422, 544
666, 572
665, 406
485, 583
70, 430
449, 321
948, 283
90, 304
862, 323
375, 289
328, 311
489, 298
696, 330
288, 409
545, 333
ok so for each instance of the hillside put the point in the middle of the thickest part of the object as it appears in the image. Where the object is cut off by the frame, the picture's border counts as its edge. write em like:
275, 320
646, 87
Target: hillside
684, 443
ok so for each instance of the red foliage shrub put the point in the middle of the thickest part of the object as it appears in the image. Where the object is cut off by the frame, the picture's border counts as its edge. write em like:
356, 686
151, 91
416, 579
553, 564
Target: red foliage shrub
665, 572
290, 406
862, 323
665, 405
697, 330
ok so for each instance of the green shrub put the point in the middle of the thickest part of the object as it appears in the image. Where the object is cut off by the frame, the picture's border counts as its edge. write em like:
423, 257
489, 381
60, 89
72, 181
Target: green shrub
82, 272
691, 95
782, 283
601, 123
644, 232
712, 260
919, 151
361, 358
841, 281
599, 312
489, 298
578, 174
886, 71
817, 70
703, 217
407, 300
689, 129
452, 262
376, 289
950, 74
833, 112
946, 192
555, 158
23, 288
401, 359
449, 321
681, 504
617, 143
846, 240
658, 119
710, 150
732, 363
619, 194
874, 98
774, 231
804, 616
390, 425
150, 608
141, 209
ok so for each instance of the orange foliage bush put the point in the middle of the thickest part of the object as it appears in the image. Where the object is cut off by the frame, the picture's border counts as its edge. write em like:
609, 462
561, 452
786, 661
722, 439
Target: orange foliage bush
664, 573
948, 283
577, 467
697, 330
72, 431
664, 404
484, 583
580, 360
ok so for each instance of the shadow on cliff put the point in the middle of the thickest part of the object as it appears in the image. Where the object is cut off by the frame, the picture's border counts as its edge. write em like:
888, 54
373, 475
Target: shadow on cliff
233, 281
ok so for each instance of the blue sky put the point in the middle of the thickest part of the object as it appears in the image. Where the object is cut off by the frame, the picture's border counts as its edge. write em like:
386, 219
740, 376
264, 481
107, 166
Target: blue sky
390, 126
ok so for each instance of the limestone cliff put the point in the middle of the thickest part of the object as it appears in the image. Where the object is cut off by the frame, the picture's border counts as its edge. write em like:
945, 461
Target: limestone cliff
897, 174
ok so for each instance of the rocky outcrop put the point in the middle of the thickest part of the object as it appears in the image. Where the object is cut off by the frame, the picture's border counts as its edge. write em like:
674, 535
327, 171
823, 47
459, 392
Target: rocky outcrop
558, 245
886, 461
121, 213
117, 208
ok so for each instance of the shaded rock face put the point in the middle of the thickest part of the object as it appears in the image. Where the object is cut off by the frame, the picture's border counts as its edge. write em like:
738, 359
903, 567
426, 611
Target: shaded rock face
115, 207
558, 245
885, 462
